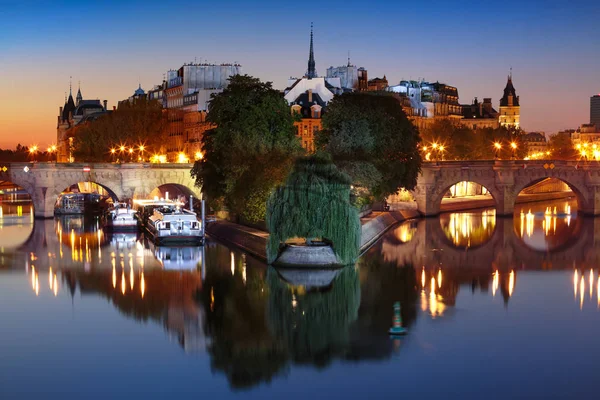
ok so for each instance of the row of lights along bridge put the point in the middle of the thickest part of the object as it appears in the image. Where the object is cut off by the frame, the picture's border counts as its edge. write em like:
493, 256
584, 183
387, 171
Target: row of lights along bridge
124, 153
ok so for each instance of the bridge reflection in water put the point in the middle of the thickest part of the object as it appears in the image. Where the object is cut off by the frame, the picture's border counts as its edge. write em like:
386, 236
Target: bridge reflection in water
255, 322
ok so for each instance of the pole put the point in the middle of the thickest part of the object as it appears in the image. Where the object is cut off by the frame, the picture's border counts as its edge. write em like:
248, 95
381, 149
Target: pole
191, 203
203, 213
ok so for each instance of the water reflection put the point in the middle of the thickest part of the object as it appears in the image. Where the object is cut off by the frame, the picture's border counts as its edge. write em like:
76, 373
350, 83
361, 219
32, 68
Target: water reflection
579, 287
469, 229
254, 324
546, 225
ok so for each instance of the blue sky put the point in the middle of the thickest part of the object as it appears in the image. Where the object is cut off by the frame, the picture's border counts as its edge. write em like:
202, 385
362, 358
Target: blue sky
553, 48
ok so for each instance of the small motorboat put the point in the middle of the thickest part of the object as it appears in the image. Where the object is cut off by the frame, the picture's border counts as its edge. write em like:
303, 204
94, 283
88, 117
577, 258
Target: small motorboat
120, 217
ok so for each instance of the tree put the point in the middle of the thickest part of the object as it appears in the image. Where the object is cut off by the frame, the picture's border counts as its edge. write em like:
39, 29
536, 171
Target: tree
370, 138
314, 203
561, 147
250, 150
132, 124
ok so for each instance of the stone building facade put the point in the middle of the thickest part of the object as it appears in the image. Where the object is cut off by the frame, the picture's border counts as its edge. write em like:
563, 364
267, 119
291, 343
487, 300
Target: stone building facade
72, 116
188, 91
478, 115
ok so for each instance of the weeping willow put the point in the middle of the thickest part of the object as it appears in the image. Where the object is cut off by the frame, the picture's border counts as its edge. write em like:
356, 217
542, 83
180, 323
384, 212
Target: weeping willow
314, 202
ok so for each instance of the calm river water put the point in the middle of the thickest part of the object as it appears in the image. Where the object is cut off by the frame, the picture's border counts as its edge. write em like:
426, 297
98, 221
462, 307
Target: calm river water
495, 308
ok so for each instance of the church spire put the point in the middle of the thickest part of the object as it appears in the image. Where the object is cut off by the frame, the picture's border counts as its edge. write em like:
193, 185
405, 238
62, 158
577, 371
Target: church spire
79, 98
311, 72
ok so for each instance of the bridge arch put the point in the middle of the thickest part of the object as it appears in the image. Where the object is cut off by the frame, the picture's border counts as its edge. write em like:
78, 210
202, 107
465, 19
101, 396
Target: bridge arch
578, 188
432, 201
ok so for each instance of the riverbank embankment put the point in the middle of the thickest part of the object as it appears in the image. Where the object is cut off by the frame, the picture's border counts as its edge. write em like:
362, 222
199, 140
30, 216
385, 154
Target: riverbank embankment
254, 241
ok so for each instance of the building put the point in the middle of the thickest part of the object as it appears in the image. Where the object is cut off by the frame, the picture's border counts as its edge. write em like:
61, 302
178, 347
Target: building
351, 77
536, 143
72, 115
309, 96
138, 94
510, 110
595, 110
377, 84
429, 101
586, 133
479, 115
188, 90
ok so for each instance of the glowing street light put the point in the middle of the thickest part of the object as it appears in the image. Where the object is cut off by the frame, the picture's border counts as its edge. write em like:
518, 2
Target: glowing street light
122, 148
182, 158
497, 146
513, 145
198, 155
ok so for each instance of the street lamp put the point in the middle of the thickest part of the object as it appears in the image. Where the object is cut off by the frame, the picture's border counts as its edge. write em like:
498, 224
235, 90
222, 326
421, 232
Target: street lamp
513, 145
442, 152
198, 155
32, 150
497, 146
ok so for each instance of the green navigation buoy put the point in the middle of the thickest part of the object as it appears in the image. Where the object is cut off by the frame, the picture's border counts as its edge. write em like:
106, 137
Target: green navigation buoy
397, 329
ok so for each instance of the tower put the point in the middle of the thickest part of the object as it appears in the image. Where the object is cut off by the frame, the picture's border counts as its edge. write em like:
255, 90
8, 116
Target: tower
79, 97
311, 72
510, 109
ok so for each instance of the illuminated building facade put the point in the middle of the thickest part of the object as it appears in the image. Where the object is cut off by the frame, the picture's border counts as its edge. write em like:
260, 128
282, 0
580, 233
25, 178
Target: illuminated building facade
188, 90
308, 96
510, 109
536, 142
70, 117
429, 101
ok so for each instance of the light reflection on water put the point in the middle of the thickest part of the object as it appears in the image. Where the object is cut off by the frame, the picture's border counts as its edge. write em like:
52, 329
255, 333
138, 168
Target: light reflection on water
234, 324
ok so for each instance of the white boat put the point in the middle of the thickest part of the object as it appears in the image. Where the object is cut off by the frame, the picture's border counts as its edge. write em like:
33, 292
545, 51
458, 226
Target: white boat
121, 217
173, 224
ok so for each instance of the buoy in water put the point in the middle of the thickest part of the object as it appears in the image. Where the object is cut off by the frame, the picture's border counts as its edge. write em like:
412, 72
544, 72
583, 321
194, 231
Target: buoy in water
397, 329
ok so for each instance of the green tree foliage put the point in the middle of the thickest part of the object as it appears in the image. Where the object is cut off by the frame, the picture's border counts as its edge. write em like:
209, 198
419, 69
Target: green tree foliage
251, 149
370, 138
314, 202
561, 147
132, 124
463, 143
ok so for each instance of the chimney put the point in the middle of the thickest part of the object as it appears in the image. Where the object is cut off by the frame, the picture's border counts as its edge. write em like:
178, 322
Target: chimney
105, 105
310, 96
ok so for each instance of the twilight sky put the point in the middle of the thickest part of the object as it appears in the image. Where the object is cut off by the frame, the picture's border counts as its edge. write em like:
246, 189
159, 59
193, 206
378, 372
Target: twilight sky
110, 46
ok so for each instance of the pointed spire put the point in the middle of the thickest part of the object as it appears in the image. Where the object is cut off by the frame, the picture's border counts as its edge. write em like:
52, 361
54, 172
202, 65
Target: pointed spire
79, 97
311, 72
349, 58
70, 86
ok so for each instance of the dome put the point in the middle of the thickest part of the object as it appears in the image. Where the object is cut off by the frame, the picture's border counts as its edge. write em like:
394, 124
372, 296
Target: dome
139, 91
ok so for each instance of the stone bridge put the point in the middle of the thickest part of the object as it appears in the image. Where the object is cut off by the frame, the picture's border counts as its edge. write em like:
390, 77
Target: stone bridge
45, 181
428, 246
505, 180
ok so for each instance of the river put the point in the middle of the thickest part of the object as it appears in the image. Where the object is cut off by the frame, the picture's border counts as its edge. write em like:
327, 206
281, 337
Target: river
494, 307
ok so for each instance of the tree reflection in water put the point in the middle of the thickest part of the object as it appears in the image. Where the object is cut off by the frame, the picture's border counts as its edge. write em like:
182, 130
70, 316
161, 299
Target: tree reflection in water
314, 322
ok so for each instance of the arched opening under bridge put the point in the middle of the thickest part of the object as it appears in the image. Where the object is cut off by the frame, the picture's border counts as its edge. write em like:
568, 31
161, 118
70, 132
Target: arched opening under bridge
546, 214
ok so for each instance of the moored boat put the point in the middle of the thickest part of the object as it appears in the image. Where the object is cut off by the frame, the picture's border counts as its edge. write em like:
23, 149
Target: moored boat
173, 224
80, 203
121, 217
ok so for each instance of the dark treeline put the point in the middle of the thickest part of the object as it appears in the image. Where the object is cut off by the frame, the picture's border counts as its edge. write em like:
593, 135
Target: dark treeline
22, 154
